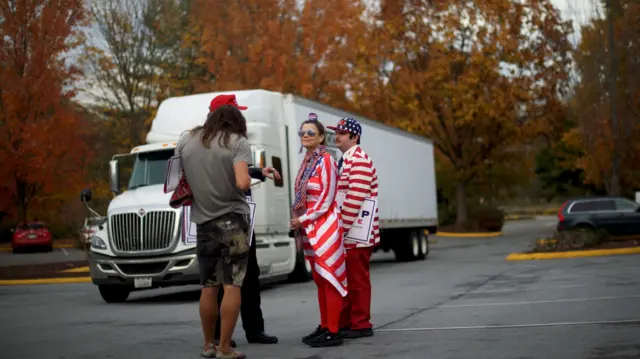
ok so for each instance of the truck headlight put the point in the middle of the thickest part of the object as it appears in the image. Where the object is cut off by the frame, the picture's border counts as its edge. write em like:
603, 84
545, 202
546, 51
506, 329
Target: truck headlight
98, 243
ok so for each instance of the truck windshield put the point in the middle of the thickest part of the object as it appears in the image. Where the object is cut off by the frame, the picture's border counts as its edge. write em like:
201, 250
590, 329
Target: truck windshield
149, 168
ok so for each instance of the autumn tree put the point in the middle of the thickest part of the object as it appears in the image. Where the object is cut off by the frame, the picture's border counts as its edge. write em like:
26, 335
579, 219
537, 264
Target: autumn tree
478, 77
178, 33
42, 147
124, 59
284, 46
609, 129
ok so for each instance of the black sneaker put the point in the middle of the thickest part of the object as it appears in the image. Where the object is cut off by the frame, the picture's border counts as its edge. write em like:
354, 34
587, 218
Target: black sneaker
262, 338
357, 333
327, 339
319, 330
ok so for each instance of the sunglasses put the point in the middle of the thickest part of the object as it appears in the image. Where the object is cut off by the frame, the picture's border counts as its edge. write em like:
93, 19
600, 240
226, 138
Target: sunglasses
310, 133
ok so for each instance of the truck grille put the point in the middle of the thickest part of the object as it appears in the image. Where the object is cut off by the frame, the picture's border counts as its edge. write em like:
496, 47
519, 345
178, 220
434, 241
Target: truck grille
153, 231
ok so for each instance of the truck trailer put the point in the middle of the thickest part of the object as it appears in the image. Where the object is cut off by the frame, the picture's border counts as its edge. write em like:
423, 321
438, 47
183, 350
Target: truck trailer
139, 244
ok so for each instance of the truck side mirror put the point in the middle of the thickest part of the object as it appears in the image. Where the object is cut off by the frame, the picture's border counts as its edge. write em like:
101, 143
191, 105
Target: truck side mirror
114, 176
85, 195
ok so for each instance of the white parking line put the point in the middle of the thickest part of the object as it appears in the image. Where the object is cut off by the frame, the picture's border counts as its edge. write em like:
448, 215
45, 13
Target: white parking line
535, 325
65, 252
539, 302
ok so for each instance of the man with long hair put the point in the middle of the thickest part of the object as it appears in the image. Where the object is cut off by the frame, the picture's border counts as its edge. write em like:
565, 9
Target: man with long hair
250, 311
215, 160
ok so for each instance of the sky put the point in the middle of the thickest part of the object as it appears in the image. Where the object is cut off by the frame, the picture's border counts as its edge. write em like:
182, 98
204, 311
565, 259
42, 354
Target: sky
578, 11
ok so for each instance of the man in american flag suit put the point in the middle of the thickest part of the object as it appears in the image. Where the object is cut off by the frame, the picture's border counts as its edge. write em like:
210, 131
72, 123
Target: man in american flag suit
358, 180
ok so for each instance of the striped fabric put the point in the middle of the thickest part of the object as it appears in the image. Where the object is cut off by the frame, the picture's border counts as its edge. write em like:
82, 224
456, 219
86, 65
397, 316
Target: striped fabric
359, 180
322, 241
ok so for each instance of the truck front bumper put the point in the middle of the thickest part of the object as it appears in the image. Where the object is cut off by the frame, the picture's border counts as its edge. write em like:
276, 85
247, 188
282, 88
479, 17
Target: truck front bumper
145, 273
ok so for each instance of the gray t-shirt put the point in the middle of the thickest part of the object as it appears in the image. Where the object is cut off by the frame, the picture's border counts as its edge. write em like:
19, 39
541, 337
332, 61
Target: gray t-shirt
210, 174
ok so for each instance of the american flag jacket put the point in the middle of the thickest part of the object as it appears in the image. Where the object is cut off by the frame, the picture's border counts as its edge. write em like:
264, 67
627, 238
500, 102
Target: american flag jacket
359, 180
322, 240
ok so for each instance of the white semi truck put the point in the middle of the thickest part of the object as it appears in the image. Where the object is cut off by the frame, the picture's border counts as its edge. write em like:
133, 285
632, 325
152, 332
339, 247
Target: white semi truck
139, 243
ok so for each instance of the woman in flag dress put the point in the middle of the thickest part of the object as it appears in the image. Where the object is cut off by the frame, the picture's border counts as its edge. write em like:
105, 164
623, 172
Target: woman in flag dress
319, 231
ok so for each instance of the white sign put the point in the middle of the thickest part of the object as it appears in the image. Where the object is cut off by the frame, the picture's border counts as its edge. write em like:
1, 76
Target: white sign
174, 171
252, 214
190, 232
361, 228
340, 197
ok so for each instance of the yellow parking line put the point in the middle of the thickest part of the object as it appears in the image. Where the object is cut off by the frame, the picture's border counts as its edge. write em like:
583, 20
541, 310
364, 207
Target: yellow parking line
572, 254
76, 270
45, 281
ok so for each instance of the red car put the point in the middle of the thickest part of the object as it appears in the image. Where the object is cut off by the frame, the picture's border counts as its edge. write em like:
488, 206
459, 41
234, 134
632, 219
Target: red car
30, 235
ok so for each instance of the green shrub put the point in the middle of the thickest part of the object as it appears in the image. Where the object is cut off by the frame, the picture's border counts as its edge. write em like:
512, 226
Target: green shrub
6, 232
446, 216
488, 217
480, 217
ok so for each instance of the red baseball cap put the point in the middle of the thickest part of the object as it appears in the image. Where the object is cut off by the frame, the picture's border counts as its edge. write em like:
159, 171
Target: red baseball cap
222, 100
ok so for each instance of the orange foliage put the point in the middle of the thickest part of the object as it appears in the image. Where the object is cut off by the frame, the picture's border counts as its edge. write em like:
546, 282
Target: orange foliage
592, 101
278, 46
42, 148
478, 77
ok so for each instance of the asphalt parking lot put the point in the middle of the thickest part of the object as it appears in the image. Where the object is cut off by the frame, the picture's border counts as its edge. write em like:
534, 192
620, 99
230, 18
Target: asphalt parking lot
465, 301
58, 255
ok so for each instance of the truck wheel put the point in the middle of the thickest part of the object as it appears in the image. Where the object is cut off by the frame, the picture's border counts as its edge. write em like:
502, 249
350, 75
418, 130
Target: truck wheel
423, 239
114, 293
302, 272
408, 248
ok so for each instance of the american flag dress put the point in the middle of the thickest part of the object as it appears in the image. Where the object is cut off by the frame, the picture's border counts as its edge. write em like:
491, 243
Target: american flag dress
322, 235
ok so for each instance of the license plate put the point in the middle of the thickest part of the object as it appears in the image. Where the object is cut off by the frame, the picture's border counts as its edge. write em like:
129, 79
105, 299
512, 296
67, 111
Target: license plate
142, 282
32, 236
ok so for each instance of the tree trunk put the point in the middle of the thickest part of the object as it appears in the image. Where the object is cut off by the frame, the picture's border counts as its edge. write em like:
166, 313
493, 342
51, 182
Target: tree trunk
615, 132
614, 188
461, 205
21, 200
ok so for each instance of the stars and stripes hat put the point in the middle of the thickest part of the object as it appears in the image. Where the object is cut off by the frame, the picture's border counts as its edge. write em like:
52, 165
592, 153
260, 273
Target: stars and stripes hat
348, 124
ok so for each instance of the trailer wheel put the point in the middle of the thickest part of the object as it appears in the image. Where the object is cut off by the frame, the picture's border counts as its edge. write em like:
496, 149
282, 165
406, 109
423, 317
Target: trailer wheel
408, 248
423, 238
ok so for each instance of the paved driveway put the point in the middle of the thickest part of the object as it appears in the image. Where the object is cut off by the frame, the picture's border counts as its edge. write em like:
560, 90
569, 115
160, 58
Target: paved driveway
58, 255
465, 301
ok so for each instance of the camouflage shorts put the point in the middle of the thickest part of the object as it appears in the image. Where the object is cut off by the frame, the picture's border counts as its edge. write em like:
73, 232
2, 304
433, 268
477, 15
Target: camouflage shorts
223, 250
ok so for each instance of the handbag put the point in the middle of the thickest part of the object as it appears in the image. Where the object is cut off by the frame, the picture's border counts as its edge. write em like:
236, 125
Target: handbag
182, 196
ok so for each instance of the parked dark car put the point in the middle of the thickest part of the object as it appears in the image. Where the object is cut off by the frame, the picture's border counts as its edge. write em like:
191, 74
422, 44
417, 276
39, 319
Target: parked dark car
619, 216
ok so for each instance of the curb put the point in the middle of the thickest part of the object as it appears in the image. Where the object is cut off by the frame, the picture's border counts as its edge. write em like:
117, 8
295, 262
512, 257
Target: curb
572, 254
469, 235
45, 281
